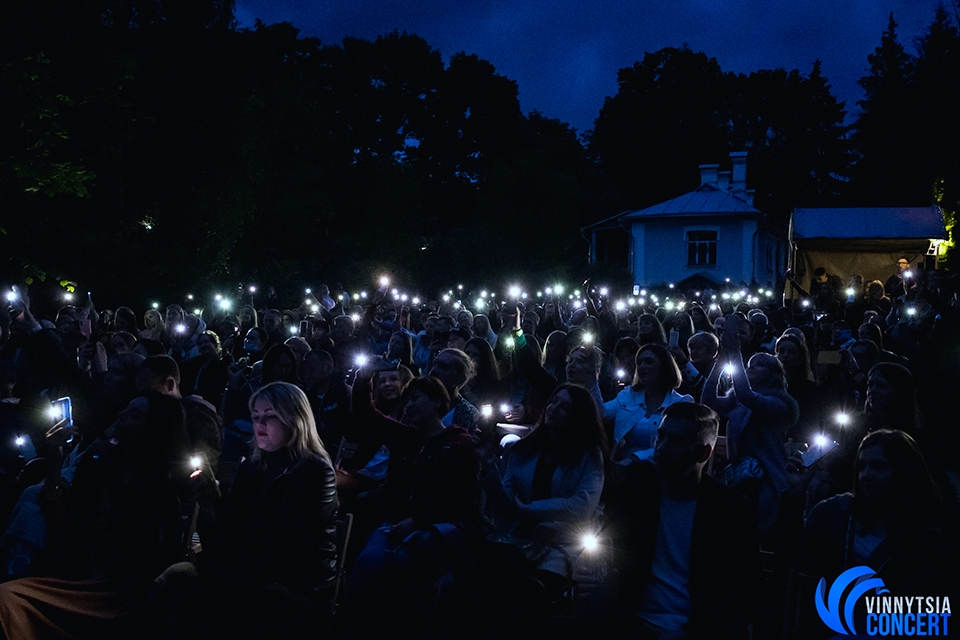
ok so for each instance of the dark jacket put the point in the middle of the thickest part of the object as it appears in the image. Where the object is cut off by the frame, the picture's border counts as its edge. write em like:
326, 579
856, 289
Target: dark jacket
116, 522
278, 525
724, 553
332, 414
921, 560
424, 477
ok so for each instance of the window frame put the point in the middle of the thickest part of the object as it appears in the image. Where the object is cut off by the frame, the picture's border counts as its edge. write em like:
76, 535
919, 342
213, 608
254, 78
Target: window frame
707, 244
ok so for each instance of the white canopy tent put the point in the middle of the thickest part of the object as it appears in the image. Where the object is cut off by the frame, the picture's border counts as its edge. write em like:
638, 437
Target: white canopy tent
862, 241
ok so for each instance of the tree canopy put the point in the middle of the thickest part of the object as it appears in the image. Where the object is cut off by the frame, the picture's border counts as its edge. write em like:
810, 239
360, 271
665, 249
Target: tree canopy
155, 143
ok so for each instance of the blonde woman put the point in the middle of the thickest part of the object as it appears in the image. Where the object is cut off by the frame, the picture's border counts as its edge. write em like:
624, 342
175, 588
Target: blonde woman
153, 321
276, 531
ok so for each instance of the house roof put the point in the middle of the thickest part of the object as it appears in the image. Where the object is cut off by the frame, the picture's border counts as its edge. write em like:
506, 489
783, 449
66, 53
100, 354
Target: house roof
866, 223
707, 199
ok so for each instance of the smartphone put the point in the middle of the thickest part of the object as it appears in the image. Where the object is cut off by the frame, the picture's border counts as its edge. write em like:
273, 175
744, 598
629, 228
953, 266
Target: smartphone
60, 409
817, 451
636, 289
674, 338
305, 328
15, 301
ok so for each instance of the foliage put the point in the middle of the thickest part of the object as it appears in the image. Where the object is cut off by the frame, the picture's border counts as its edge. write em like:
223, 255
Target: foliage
677, 109
152, 148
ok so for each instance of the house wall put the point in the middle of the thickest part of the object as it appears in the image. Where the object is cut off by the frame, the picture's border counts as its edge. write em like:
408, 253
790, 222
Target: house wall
660, 252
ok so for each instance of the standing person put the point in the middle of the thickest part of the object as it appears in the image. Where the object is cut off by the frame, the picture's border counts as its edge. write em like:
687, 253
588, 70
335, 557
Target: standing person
760, 413
686, 546
827, 291
893, 287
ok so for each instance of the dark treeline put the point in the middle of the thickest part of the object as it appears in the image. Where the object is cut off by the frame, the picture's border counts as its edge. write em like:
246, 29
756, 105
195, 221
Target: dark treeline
150, 148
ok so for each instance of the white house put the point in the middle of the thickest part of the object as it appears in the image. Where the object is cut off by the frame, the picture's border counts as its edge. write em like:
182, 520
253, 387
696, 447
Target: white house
711, 233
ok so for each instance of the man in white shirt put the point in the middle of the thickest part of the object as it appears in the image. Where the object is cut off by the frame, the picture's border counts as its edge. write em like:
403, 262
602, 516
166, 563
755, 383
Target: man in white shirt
690, 561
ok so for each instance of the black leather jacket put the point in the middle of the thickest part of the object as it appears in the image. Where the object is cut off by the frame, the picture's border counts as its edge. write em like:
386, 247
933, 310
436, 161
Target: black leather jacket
278, 524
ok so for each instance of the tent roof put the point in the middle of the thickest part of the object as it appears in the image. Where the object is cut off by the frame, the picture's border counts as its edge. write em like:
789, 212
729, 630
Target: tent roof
869, 223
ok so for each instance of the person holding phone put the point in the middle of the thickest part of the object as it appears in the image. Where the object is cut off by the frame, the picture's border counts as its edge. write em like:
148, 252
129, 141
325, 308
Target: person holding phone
112, 530
759, 412
552, 481
894, 287
890, 521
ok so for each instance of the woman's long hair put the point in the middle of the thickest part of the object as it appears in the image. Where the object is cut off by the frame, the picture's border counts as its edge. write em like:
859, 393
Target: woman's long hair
555, 349
406, 357
583, 432
777, 382
391, 408
129, 318
657, 336
916, 499
803, 371
902, 412
683, 323
700, 320
487, 376
253, 314
293, 410
153, 320
270, 360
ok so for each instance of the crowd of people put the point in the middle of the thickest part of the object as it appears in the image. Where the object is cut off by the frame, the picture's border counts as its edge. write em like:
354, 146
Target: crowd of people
548, 463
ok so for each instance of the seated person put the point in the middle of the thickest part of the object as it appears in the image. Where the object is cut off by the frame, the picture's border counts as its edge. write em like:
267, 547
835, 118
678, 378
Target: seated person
269, 567
552, 480
435, 519
111, 532
687, 547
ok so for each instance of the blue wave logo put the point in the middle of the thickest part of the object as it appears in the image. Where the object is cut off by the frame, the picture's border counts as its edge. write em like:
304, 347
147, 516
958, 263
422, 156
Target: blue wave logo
858, 580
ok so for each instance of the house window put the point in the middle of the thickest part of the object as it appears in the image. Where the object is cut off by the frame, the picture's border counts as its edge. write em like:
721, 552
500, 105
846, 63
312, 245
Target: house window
701, 248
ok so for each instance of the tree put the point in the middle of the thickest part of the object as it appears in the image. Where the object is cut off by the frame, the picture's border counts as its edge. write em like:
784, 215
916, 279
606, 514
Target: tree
885, 131
792, 127
669, 115
677, 109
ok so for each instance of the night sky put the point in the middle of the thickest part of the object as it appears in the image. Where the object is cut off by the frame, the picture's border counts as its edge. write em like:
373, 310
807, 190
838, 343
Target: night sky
564, 54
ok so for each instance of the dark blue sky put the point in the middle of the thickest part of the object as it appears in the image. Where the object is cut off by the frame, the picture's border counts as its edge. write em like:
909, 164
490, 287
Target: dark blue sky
564, 54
